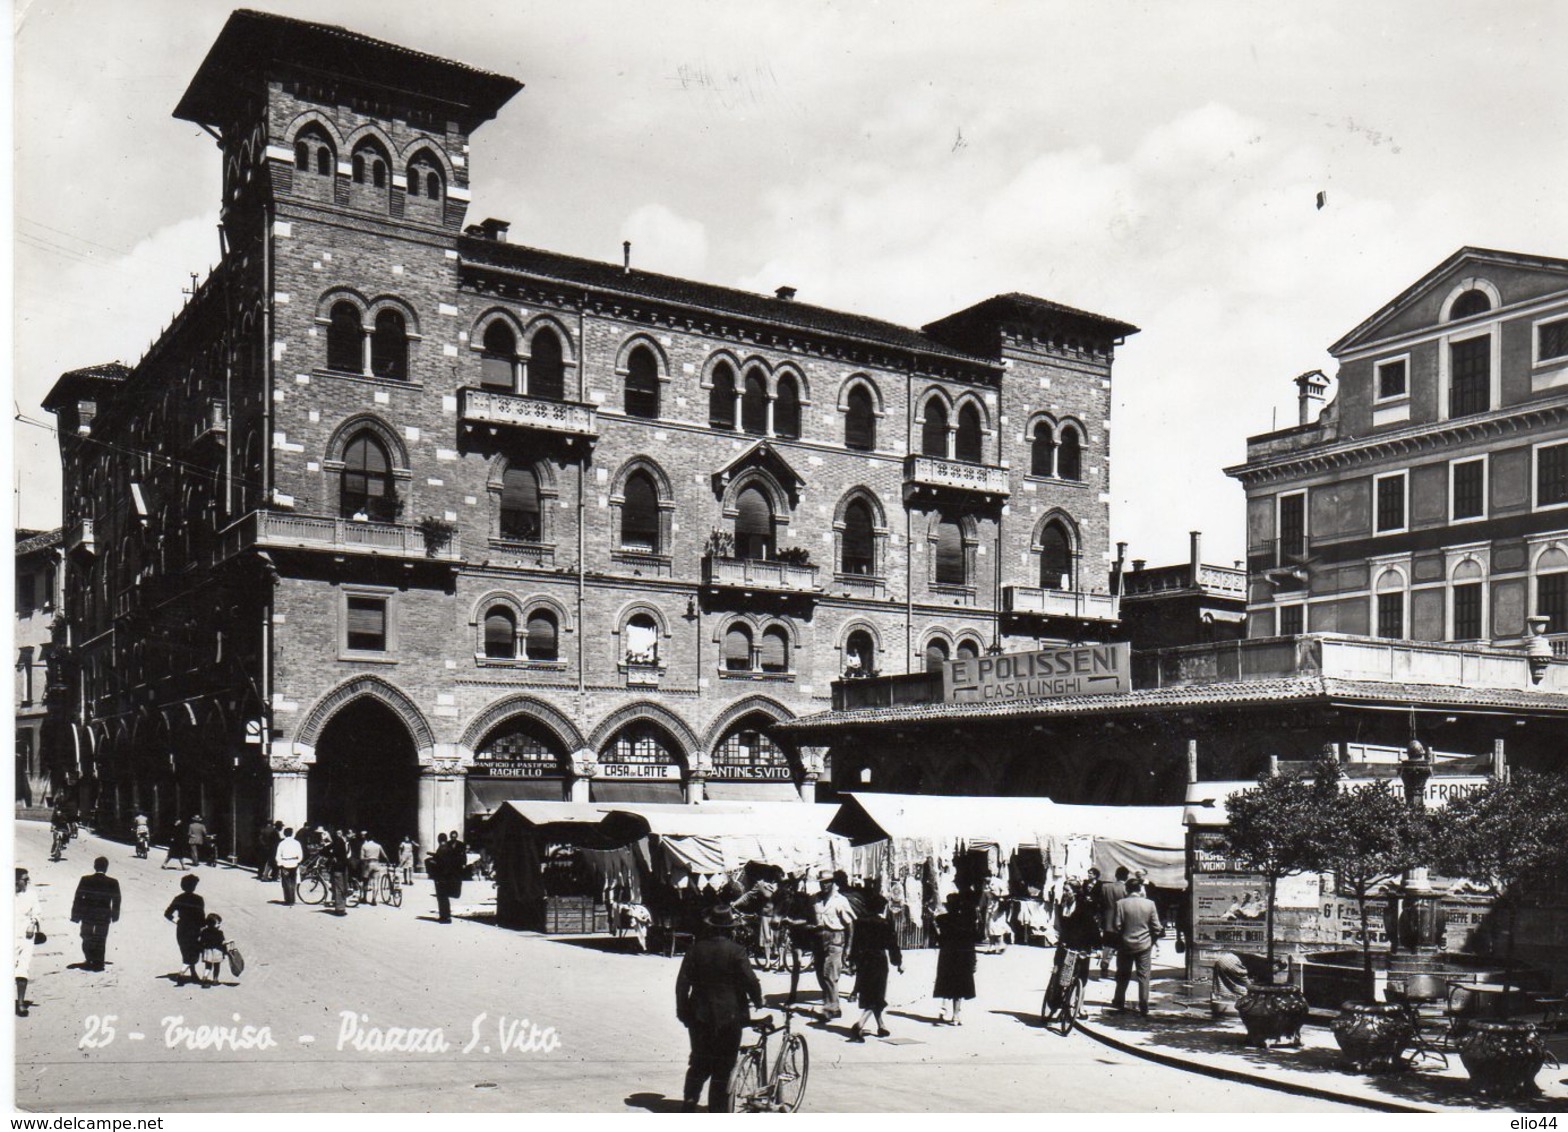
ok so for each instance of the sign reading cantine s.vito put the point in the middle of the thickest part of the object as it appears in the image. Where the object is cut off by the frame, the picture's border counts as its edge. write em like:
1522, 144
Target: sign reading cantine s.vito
1080, 670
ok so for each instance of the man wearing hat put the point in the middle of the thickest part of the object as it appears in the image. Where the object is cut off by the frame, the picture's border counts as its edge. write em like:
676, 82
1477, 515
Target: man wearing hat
835, 915
711, 994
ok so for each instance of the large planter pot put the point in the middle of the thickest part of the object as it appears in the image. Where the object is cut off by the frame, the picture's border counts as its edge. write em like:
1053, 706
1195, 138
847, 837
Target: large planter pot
1502, 1057
1271, 1013
1372, 1035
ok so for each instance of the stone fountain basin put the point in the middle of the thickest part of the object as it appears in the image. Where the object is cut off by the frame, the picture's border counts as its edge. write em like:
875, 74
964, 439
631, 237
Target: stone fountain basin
1332, 978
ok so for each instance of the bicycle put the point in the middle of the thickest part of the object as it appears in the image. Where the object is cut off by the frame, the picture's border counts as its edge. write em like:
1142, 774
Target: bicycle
57, 843
315, 886
1060, 1007
754, 1086
389, 890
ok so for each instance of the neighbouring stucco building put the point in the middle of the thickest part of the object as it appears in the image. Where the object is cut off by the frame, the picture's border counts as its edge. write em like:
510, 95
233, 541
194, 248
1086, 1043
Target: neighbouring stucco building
399, 516
38, 580
1429, 499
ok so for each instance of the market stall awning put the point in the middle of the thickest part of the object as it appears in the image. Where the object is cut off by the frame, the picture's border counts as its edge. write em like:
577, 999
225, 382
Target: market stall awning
865, 818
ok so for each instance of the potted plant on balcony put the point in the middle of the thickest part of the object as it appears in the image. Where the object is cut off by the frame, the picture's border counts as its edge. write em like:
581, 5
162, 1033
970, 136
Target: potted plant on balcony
1273, 832
793, 556
438, 533
1370, 835
1512, 835
720, 544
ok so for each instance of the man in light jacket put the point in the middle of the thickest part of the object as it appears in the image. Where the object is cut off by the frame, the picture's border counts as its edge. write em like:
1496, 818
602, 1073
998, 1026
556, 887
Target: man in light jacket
1138, 928
287, 856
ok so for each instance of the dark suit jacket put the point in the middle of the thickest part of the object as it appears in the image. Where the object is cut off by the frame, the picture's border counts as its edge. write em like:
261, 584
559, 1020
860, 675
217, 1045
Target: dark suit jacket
714, 984
97, 900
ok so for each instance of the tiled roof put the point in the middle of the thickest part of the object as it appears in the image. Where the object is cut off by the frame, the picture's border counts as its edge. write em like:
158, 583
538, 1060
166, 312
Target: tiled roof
612, 278
89, 377
1218, 695
39, 540
1018, 304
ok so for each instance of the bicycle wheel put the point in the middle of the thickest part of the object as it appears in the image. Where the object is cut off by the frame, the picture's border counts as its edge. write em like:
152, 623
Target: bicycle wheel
1071, 1001
391, 891
746, 1090
312, 889
789, 1078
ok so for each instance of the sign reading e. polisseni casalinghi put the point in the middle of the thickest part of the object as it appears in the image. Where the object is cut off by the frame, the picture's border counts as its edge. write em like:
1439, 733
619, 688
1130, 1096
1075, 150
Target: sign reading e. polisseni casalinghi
1077, 670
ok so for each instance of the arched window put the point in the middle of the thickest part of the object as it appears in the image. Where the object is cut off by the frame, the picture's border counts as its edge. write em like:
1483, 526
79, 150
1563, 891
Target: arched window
345, 339
968, 446
389, 345
324, 161
860, 420
749, 746
367, 480
543, 636
642, 384
737, 649
1551, 589
754, 405
547, 370
949, 553
753, 524
312, 151
775, 650
498, 363
500, 634
302, 155
936, 654
1472, 302
1390, 604
968, 650
1056, 558
520, 505
433, 186
860, 654
642, 640
640, 515
933, 433
1069, 460
859, 544
359, 168
786, 409
1042, 451
721, 398
378, 172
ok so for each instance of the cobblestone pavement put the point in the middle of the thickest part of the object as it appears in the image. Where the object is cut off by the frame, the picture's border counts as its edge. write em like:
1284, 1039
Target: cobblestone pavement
311, 975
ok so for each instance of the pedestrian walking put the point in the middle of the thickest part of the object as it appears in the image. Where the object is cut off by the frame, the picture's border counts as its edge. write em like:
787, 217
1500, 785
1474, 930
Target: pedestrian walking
176, 850
28, 921
1108, 894
834, 917
339, 859
405, 860
445, 869
874, 947
96, 906
712, 991
1138, 929
188, 913
142, 833
267, 849
956, 936
196, 839
213, 949
287, 857
372, 864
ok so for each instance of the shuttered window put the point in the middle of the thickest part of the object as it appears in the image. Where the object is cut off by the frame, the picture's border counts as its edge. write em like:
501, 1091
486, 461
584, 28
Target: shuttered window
1467, 611
721, 398
543, 639
520, 505
367, 624
737, 649
786, 409
500, 635
640, 515
1469, 489
499, 359
1551, 601
389, 346
642, 384
753, 525
345, 340
1551, 475
860, 420
1056, 558
547, 370
775, 651
859, 540
1042, 452
1470, 376
933, 433
949, 553
968, 444
754, 405
1391, 503
1069, 457
367, 480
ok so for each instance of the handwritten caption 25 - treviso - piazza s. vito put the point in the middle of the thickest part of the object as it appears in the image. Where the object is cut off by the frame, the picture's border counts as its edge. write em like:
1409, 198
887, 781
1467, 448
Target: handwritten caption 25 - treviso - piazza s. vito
356, 1032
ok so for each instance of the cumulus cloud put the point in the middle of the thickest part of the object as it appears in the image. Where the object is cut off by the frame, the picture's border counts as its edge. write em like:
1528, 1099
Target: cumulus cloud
665, 242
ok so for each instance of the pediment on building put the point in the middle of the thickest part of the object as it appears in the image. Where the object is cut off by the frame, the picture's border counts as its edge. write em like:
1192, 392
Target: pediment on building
1510, 278
761, 456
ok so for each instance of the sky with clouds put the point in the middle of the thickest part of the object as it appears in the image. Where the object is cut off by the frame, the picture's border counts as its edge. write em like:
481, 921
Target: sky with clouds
1158, 163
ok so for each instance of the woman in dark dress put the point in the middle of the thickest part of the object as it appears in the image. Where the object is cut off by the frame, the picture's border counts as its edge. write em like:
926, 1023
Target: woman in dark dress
875, 943
189, 914
956, 936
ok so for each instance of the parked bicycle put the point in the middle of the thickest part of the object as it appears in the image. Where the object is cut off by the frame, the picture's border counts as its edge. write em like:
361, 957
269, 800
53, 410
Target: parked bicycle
758, 1085
315, 884
1064, 993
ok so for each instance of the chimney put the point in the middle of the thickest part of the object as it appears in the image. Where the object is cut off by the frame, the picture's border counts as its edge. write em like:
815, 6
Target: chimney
496, 229
1311, 388
1138, 564
1197, 554
626, 257
785, 293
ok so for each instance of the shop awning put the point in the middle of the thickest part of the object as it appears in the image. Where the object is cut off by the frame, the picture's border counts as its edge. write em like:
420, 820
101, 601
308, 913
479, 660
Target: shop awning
485, 795
618, 793
1007, 822
752, 792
